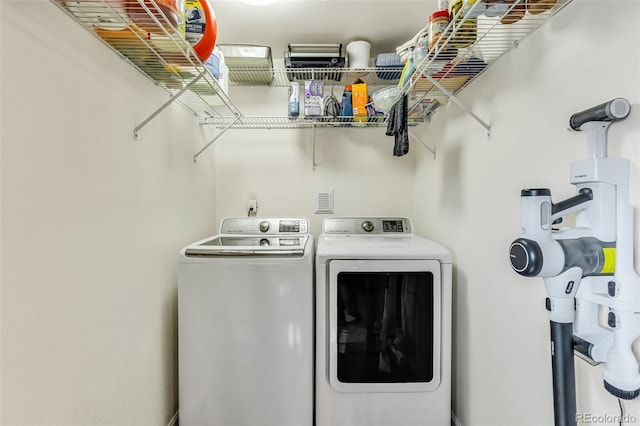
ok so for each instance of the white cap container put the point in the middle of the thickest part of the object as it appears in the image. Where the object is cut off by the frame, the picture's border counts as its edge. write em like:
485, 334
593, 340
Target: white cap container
358, 54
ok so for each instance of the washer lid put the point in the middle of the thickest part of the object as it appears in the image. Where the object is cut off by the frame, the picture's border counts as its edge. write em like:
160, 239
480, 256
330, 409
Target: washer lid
231, 245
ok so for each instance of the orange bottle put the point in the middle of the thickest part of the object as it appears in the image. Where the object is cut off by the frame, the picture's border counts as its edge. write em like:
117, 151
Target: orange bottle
201, 27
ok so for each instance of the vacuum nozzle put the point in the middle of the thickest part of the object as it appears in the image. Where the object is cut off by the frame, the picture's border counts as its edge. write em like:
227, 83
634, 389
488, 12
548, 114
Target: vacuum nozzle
621, 393
615, 109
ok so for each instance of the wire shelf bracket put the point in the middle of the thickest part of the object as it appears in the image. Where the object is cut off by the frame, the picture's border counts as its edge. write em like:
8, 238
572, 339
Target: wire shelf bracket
166, 104
222, 132
461, 105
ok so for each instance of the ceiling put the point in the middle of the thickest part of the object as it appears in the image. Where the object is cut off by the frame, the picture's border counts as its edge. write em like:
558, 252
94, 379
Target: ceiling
385, 24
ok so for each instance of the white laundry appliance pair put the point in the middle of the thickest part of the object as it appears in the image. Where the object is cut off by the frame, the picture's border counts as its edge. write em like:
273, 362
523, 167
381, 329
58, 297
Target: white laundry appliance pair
382, 325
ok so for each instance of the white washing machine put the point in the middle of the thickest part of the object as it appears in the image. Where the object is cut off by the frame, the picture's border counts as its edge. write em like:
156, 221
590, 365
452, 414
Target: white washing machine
245, 325
383, 325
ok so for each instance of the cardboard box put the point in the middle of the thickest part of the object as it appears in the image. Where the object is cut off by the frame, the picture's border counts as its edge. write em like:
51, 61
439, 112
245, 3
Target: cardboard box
359, 100
313, 98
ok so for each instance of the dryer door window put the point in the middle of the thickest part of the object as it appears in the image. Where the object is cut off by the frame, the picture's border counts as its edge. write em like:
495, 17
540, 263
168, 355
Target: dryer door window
384, 325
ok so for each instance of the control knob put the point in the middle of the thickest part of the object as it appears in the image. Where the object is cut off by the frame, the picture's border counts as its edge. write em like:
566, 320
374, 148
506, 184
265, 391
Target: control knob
367, 226
526, 257
264, 242
264, 226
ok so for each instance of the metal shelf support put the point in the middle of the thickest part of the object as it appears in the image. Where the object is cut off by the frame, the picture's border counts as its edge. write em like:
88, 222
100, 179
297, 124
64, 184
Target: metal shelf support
433, 151
166, 104
151, 44
222, 132
456, 101
313, 146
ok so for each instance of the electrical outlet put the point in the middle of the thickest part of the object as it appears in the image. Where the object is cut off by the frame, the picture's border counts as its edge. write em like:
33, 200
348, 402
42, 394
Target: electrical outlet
252, 206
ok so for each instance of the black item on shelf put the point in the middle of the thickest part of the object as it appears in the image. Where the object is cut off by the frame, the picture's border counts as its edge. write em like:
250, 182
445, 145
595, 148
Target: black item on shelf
314, 62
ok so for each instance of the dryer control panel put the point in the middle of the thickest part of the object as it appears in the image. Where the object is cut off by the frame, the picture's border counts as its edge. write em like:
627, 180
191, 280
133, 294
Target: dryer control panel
367, 225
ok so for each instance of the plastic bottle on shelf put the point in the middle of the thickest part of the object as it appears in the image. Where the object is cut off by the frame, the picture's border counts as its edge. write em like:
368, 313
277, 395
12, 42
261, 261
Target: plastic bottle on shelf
473, 8
182, 9
467, 29
218, 69
294, 100
224, 76
201, 27
438, 22
346, 108
440, 36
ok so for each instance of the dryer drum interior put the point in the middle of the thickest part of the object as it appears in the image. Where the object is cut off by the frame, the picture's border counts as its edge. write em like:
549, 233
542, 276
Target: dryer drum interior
384, 324
385, 327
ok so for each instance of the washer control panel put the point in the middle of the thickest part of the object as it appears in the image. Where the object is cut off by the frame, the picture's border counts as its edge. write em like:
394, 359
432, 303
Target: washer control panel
264, 225
367, 225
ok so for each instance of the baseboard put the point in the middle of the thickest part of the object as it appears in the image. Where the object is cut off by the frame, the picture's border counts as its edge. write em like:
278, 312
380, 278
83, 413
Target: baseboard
174, 419
454, 420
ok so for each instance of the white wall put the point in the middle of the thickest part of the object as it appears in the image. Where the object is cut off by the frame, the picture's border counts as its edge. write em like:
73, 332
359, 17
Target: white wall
358, 164
92, 220
468, 199
92, 224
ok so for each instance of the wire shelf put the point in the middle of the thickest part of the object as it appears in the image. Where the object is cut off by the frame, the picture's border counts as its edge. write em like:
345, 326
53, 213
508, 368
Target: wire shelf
282, 77
446, 68
301, 122
146, 35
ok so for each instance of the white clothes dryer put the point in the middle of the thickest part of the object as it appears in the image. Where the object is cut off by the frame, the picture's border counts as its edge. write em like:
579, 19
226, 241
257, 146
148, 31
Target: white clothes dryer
383, 325
245, 325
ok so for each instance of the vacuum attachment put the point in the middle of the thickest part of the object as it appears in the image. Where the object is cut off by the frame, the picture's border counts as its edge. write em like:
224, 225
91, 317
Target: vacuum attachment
621, 393
615, 109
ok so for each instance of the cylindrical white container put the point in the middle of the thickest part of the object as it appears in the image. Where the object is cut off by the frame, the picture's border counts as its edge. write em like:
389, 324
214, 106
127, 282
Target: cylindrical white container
359, 53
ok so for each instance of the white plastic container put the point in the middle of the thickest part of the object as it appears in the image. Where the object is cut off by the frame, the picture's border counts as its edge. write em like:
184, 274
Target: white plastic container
216, 65
359, 53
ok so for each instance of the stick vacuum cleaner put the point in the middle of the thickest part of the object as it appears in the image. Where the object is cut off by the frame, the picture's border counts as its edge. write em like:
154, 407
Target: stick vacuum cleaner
586, 266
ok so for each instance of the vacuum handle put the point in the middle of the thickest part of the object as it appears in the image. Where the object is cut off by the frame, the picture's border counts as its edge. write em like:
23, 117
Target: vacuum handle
564, 376
584, 195
615, 109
